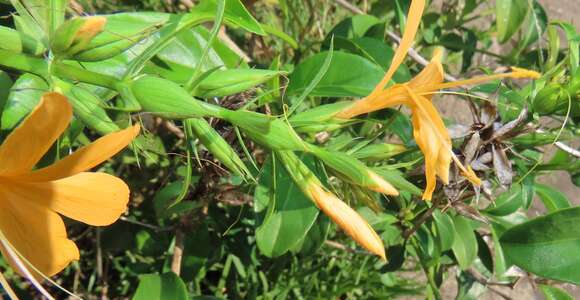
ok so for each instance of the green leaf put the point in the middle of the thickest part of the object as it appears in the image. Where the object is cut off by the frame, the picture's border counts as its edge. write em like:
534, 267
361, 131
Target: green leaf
401, 11
289, 215
165, 197
445, 230
376, 51
281, 34
24, 96
573, 44
161, 287
499, 263
361, 78
5, 85
551, 198
128, 25
178, 60
31, 18
510, 14
16, 41
468, 287
554, 293
353, 27
547, 246
536, 24
315, 237
315, 81
507, 202
464, 243
235, 14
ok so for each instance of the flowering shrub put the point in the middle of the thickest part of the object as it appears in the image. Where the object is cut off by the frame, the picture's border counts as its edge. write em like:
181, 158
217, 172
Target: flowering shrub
300, 156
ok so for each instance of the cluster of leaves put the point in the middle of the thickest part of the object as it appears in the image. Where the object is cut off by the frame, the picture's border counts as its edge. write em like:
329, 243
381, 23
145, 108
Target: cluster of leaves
210, 201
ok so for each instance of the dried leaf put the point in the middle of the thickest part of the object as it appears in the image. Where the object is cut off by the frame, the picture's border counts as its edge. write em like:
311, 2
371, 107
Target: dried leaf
488, 114
471, 147
486, 188
502, 165
505, 129
514, 271
457, 131
485, 158
469, 212
479, 166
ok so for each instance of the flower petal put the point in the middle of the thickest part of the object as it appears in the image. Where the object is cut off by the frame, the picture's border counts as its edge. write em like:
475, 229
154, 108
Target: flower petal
24, 147
430, 145
432, 74
86, 157
413, 21
443, 165
37, 233
93, 198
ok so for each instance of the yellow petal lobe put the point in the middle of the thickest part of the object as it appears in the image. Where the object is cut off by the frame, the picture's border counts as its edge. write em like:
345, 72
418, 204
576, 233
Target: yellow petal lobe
26, 144
37, 233
85, 158
93, 198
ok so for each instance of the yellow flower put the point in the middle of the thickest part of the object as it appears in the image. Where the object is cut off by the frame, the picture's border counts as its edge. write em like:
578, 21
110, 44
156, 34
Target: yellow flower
347, 219
31, 200
428, 128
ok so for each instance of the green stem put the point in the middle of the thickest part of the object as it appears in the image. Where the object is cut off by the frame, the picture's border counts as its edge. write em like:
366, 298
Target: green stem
428, 273
491, 54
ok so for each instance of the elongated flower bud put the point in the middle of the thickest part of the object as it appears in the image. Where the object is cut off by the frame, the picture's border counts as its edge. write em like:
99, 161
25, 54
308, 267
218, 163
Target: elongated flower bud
227, 82
379, 151
380, 185
75, 34
218, 147
272, 132
347, 219
167, 99
339, 212
321, 118
88, 108
354, 170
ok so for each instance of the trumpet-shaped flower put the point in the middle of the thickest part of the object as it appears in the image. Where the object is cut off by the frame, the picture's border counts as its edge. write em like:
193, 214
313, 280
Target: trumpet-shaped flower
31, 200
428, 128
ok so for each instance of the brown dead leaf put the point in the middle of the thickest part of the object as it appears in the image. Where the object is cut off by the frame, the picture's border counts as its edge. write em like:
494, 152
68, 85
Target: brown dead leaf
469, 212
501, 165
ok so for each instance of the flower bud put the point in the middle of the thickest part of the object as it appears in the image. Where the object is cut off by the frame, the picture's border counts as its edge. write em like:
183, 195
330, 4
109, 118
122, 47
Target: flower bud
75, 34
347, 219
321, 118
339, 212
354, 171
377, 152
88, 108
227, 82
167, 99
218, 147
272, 132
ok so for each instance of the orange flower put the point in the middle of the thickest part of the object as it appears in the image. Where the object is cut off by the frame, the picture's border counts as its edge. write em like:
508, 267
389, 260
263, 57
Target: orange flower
31, 200
428, 127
